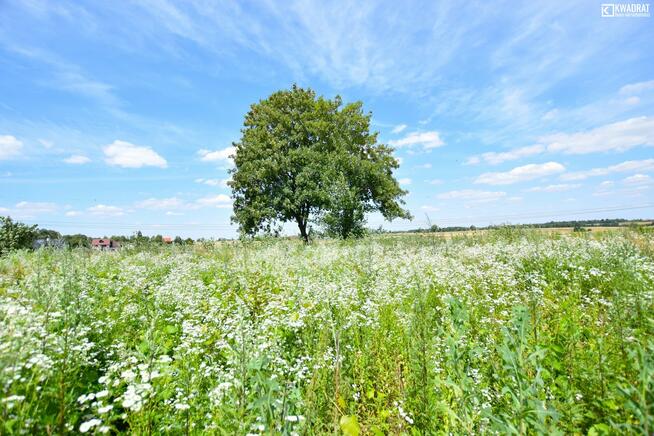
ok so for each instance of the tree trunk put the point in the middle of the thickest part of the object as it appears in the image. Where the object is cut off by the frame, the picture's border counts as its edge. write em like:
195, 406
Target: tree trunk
302, 224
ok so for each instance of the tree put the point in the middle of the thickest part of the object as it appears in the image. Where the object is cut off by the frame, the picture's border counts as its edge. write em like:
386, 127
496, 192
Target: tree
47, 234
77, 241
303, 157
15, 235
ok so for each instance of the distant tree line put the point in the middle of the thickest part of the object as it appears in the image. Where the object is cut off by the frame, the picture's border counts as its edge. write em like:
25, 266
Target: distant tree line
15, 235
576, 224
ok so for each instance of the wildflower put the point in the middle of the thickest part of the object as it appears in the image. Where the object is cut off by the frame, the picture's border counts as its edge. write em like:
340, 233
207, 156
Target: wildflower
105, 409
88, 425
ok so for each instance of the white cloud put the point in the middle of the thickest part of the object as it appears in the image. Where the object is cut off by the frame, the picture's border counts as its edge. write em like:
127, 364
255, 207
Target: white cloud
620, 136
472, 195
77, 159
35, 207
45, 143
632, 100
637, 179
430, 208
554, 188
428, 140
10, 146
127, 155
632, 186
399, 128
171, 213
405, 181
213, 182
550, 115
220, 201
637, 88
425, 166
159, 203
217, 155
624, 167
73, 213
104, 210
435, 182
495, 158
520, 174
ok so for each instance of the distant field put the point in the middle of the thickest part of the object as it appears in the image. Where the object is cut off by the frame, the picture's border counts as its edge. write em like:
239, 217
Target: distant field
546, 230
511, 331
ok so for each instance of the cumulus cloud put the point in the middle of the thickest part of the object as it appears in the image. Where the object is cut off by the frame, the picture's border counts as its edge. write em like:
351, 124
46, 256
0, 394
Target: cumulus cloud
620, 136
10, 147
427, 140
399, 128
554, 188
35, 207
624, 167
159, 203
213, 182
430, 208
77, 159
217, 155
127, 155
105, 210
73, 213
495, 158
405, 181
472, 195
520, 174
220, 201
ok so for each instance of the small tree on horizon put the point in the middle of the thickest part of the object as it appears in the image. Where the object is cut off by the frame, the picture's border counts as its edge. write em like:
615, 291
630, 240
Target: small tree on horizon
303, 158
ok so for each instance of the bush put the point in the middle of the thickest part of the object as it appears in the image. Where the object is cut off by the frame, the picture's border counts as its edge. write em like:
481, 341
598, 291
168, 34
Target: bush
15, 235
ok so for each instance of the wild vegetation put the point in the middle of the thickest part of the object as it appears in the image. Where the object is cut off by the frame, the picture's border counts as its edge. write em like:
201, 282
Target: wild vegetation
508, 332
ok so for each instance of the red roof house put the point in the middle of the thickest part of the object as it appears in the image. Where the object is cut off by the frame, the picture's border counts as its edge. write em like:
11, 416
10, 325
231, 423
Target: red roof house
104, 244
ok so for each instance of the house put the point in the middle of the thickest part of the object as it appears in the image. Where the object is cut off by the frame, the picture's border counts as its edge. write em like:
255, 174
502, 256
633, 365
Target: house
105, 244
57, 243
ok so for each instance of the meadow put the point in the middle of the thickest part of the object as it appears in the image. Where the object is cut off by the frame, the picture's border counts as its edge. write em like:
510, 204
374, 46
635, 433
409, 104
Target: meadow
508, 332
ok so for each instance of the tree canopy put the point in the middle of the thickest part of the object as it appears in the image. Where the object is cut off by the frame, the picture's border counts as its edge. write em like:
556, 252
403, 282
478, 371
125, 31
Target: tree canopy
303, 157
15, 235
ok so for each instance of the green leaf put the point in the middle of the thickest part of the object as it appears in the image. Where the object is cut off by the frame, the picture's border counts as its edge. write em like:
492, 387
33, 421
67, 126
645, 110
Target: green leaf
349, 425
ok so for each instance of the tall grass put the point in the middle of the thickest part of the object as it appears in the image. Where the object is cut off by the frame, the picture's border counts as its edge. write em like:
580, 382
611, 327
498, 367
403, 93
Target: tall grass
511, 332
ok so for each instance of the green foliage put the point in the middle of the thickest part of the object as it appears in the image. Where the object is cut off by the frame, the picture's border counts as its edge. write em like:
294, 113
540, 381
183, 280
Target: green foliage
346, 216
302, 157
77, 241
15, 235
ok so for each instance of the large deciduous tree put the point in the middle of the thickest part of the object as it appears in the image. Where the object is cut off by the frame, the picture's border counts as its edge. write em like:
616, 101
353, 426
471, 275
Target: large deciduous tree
303, 157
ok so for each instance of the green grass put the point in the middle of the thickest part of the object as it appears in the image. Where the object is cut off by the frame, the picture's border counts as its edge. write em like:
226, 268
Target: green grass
505, 332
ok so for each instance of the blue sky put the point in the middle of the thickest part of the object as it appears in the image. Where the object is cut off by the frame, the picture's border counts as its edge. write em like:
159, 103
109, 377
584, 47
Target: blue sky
118, 116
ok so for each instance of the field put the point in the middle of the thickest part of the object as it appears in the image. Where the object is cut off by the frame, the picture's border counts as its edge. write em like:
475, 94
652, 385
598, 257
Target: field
503, 332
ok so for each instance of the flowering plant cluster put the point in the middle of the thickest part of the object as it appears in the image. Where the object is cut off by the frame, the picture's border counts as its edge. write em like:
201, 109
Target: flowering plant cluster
504, 332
